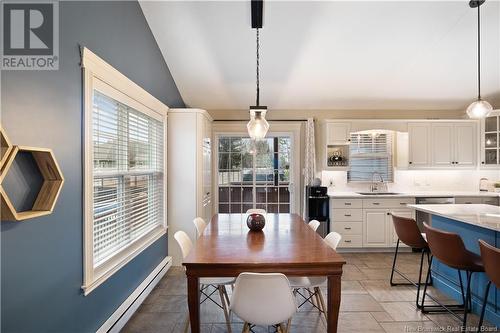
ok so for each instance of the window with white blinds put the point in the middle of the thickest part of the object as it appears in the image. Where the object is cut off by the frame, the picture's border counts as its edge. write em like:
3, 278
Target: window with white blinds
128, 182
370, 153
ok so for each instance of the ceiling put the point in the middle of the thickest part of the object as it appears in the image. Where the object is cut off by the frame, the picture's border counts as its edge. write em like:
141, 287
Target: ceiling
337, 55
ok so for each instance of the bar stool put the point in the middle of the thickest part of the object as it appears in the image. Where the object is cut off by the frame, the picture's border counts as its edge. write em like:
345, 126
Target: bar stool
409, 234
491, 260
449, 248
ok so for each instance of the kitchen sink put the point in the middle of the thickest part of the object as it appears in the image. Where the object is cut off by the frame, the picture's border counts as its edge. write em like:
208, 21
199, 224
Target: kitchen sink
377, 193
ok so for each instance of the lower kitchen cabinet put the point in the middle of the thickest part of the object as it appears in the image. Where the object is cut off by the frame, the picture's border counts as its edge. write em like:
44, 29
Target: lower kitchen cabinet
375, 224
365, 226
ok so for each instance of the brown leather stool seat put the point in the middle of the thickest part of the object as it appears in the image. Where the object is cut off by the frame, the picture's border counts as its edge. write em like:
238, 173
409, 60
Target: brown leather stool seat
408, 233
449, 249
491, 259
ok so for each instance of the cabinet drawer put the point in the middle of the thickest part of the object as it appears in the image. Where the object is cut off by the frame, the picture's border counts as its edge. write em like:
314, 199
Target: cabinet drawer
346, 215
468, 200
490, 201
347, 203
351, 241
387, 203
348, 228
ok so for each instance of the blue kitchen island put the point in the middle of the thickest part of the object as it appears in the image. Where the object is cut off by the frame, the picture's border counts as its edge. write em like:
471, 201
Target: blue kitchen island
472, 222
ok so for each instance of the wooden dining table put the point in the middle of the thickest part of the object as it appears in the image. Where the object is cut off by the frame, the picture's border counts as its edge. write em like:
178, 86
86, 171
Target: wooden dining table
286, 245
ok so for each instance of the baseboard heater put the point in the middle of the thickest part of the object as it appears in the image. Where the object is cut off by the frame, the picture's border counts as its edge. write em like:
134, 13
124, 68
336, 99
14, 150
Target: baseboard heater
125, 311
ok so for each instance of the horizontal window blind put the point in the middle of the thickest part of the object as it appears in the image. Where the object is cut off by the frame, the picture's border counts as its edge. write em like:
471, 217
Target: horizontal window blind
127, 176
370, 153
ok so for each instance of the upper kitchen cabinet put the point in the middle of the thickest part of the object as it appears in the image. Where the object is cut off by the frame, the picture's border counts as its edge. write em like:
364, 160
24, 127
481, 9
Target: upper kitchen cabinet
419, 135
338, 133
490, 132
442, 144
338, 136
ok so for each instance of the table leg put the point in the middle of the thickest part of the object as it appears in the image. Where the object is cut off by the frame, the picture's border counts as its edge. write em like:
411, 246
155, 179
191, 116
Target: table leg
194, 303
333, 302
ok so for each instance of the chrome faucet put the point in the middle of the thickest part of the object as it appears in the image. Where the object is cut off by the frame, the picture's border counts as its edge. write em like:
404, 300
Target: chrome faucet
378, 185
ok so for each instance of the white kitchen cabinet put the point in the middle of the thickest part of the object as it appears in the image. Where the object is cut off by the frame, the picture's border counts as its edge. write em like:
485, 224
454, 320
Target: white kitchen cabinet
465, 144
442, 144
419, 144
189, 173
375, 232
338, 133
490, 140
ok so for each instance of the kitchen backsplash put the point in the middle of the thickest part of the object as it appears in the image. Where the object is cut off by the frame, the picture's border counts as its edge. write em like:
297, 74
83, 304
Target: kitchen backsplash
416, 180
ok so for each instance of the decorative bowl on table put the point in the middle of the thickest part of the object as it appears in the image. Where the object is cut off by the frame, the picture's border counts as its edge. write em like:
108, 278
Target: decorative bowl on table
256, 222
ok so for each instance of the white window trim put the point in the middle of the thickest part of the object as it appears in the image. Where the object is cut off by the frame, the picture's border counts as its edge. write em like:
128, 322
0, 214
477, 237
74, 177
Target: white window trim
99, 75
290, 129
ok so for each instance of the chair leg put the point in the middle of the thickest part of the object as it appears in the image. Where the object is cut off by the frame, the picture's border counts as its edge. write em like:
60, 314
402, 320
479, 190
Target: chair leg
322, 302
429, 262
467, 306
483, 310
224, 290
224, 307
288, 324
420, 277
426, 283
311, 295
246, 328
282, 328
394, 262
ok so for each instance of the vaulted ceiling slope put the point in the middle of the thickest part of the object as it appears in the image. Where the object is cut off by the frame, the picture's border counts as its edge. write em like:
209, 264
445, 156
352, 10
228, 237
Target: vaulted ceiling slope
373, 55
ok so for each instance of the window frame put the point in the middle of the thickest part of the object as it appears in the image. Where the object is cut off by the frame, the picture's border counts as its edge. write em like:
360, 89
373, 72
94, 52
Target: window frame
390, 155
99, 75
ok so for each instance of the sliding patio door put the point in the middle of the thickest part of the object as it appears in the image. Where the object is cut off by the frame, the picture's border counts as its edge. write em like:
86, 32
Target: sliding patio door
254, 174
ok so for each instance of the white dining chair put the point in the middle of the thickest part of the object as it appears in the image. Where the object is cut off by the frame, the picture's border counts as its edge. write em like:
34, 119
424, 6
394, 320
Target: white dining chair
303, 284
219, 284
200, 225
313, 224
256, 211
263, 299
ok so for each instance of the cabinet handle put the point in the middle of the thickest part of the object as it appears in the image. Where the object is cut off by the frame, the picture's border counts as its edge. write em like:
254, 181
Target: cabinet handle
347, 203
482, 162
402, 203
410, 162
347, 241
468, 203
376, 203
347, 228
347, 215
388, 213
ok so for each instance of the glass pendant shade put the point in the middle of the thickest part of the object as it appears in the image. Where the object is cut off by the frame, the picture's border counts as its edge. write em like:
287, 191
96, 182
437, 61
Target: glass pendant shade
257, 126
479, 109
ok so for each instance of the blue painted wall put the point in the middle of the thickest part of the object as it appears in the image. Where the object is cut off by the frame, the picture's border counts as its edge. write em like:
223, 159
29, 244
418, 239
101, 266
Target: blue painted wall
41, 259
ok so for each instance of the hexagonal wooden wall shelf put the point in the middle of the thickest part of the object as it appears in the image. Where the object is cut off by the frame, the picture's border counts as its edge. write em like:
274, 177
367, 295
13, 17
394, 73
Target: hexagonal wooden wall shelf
49, 192
5, 148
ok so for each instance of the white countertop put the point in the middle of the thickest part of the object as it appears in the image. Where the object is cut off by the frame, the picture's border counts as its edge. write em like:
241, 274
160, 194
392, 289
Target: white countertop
485, 216
421, 194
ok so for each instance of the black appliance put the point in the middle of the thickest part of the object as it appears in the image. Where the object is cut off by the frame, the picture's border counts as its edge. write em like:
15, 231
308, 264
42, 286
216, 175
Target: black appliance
318, 207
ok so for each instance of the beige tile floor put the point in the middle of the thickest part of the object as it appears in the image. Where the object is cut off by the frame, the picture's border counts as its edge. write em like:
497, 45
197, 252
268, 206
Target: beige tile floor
369, 304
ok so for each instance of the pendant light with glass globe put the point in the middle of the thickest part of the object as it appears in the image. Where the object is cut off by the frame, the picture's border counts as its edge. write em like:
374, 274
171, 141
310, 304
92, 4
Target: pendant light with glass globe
257, 126
480, 108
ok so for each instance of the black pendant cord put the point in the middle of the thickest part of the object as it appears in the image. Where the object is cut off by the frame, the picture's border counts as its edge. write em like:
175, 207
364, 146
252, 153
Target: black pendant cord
258, 87
478, 52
